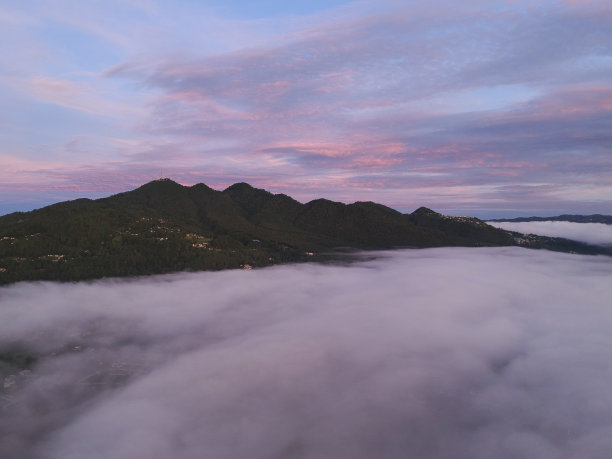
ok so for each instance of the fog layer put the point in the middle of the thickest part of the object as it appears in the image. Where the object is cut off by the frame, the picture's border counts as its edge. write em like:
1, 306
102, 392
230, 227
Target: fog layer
437, 353
591, 233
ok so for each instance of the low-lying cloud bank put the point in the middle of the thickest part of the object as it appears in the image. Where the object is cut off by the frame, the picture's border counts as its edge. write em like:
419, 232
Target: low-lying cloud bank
591, 233
437, 353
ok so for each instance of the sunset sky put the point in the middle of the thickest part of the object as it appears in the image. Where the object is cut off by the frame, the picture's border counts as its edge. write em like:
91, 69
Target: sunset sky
476, 107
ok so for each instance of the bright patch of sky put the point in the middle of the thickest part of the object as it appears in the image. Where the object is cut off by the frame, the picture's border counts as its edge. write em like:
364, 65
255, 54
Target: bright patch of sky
477, 99
265, 9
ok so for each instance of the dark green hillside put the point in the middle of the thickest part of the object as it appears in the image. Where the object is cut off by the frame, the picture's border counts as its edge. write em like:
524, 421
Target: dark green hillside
364, 225
165, 227
462, 228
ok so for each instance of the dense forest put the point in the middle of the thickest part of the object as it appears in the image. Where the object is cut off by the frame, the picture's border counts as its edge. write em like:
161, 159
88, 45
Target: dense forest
166, 227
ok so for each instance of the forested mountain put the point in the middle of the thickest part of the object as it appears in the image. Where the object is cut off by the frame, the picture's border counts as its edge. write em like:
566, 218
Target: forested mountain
164, 227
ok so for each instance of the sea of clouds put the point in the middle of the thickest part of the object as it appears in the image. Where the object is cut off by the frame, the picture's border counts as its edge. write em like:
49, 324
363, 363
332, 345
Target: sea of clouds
436, 353
591, 233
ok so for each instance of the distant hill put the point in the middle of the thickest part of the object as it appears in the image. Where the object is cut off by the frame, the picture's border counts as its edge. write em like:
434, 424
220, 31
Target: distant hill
595, 218
165, 227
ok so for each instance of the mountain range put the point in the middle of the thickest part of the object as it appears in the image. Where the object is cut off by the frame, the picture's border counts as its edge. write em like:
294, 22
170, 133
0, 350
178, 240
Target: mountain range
163, 227
595, 218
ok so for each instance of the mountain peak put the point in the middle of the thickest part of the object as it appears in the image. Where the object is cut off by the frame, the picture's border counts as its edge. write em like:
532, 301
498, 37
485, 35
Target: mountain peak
245, 193
201, 186
240, 186
162, 180
161, 183
424, 211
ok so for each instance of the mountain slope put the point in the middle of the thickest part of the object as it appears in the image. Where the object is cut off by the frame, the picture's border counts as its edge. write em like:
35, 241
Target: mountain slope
163, 226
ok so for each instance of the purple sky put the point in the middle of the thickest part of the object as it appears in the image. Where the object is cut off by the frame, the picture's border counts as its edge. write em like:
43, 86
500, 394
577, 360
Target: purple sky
484, 108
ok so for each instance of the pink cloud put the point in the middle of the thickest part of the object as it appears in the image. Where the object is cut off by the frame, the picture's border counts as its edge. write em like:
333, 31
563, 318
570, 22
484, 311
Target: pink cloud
576, 102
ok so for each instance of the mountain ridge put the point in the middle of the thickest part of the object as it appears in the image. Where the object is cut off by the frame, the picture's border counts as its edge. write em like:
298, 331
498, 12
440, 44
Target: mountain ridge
163, 226
574, 218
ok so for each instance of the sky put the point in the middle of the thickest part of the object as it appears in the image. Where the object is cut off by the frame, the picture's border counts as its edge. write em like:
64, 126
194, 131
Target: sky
290, 361
488, 108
